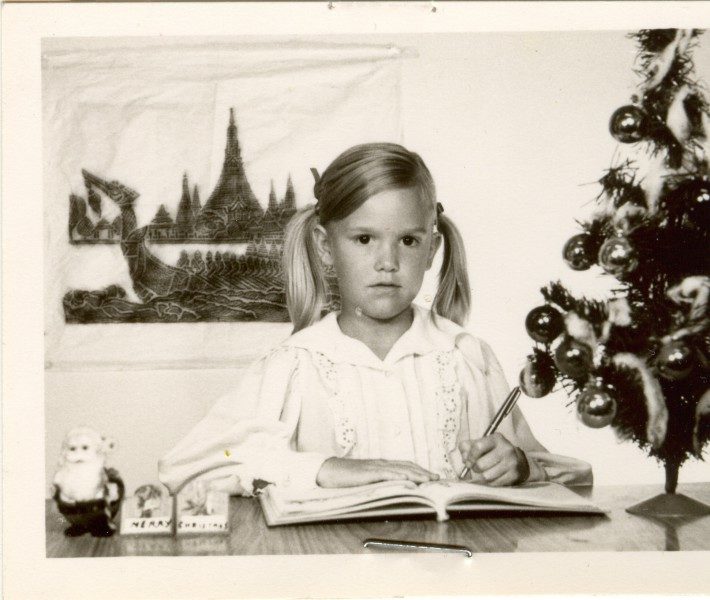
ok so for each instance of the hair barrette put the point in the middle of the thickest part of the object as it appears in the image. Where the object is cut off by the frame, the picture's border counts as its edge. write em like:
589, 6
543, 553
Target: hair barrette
316, 192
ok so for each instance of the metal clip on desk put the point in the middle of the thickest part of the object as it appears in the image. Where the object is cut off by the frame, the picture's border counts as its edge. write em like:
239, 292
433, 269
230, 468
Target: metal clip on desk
407, 546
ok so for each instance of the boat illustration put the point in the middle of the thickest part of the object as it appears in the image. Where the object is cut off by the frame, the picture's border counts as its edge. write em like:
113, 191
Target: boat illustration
219, 286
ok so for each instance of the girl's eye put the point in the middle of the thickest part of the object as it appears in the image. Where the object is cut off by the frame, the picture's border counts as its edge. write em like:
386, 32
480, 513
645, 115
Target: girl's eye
408, 240
72, 448
363, 239
84, 447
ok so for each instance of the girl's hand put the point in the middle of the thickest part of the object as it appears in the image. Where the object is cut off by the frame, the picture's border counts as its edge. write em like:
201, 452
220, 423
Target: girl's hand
348, 472
493, 460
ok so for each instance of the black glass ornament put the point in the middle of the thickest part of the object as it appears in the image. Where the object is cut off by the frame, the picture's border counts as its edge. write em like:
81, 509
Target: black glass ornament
702, 349
617, 256
688, 204
573, 358
629, 124
544, 324
675, 360
576, 252
694, 198
538, 376
595, 406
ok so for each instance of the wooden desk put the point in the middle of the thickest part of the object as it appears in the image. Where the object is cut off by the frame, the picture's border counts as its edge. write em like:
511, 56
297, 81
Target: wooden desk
492, 533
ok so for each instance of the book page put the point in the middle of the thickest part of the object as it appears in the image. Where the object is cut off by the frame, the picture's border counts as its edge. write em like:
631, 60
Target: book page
542, 494
316, 500
322, 493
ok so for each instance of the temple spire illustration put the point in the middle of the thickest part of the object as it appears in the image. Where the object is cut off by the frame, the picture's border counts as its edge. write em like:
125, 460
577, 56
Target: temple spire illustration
233, 186
289, 203
272, 199
195, 203
185, 220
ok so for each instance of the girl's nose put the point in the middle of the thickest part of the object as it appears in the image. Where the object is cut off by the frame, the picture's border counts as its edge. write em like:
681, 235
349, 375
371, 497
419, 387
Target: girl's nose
387, 259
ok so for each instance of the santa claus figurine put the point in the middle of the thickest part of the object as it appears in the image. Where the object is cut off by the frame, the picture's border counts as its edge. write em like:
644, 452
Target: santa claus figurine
87, 493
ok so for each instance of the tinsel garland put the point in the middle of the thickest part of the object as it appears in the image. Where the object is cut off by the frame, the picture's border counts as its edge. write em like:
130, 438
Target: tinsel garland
592, 310
662, 82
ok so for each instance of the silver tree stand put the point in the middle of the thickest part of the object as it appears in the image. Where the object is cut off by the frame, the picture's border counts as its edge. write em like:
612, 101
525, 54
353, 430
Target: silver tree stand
670, 504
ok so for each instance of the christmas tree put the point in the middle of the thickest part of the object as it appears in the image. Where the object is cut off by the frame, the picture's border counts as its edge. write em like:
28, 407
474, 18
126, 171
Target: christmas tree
639, 361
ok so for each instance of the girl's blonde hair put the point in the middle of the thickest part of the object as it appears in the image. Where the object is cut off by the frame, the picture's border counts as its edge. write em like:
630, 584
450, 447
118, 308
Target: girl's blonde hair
356, 175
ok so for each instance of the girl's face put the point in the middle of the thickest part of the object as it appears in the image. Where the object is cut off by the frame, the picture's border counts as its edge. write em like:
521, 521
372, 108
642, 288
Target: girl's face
380, 252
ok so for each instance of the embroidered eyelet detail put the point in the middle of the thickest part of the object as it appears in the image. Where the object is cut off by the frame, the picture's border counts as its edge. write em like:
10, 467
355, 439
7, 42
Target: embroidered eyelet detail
448, 394
448, 407
345, 434
325, 367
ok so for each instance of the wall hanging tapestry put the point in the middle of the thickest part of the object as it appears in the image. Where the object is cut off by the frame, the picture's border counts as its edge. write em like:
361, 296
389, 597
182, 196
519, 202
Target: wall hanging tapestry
173, 166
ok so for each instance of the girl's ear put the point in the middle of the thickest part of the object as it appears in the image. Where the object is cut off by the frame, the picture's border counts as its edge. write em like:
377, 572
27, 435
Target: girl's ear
320, 236
433, 248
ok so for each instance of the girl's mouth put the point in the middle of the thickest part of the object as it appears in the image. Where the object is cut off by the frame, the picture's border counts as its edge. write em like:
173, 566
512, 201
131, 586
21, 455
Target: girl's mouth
385, 288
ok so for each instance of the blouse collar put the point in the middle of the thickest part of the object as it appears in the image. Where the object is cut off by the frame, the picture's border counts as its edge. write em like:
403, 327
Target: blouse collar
423, 336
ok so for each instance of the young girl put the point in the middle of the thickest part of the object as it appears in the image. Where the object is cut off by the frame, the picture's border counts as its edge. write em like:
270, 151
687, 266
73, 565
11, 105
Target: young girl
383, 390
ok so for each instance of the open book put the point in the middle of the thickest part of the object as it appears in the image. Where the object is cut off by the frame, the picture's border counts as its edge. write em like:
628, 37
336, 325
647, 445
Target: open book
282, 506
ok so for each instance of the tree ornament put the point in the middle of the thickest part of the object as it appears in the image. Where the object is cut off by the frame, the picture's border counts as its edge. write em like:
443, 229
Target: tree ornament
702, 411
576, 252
573, 358
595, 407
617, 256
629, 124
675, 360
538, 376
702, 349
693, 196
684, 202
544, 324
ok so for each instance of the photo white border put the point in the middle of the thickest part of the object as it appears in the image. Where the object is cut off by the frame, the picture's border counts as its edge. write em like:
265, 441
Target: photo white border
27, 574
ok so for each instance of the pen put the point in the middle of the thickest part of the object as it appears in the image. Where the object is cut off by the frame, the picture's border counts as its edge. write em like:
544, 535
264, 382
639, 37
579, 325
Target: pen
405, 545
503, 411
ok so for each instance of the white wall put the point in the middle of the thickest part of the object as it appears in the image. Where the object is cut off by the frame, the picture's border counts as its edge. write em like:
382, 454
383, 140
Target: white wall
512, 127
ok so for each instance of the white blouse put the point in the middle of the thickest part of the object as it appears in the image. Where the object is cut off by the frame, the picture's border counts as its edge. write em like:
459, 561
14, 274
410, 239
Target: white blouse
322, 394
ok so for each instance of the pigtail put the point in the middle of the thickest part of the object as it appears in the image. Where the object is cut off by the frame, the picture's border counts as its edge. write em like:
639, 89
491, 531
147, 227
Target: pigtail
306, 285
453, 297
